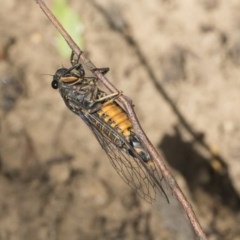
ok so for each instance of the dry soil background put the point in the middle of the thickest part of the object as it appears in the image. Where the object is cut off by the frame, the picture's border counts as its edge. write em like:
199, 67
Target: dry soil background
56, 182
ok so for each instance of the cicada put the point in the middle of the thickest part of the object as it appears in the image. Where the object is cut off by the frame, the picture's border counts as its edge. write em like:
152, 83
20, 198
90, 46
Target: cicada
111, 126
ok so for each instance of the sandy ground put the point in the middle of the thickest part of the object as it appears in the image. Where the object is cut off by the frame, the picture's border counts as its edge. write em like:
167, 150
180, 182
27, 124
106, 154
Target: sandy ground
56, 182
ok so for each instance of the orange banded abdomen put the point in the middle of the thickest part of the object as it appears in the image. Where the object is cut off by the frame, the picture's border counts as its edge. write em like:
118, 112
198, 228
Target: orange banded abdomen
112, 114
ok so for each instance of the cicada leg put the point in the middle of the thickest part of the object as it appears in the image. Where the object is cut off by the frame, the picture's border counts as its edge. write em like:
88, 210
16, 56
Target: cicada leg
96, 100
103, 71
75, 61
112, 97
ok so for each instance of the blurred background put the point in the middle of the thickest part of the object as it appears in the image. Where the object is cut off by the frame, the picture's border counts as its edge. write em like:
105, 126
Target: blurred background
179, 63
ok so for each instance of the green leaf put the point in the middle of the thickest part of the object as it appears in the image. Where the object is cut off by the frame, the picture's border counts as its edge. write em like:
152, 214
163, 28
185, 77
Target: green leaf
71, 22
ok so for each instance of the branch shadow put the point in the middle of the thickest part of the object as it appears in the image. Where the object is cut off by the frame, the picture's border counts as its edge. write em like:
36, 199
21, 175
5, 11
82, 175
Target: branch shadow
198, 171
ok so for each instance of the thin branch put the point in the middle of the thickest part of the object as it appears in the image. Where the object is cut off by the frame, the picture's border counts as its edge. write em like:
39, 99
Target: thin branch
129, 108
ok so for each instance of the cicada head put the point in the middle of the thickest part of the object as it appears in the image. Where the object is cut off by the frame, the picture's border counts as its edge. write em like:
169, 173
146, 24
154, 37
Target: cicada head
65, 77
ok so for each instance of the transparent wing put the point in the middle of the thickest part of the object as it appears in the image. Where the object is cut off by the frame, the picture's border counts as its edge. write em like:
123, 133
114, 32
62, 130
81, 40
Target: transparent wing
139, 175
146, 179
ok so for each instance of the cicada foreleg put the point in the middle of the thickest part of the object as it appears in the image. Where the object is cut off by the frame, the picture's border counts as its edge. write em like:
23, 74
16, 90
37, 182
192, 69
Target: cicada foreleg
103, 70
74, 61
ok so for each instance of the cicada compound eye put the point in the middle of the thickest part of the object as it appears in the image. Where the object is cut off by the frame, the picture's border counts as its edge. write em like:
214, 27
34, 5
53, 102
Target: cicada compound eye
54, 84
